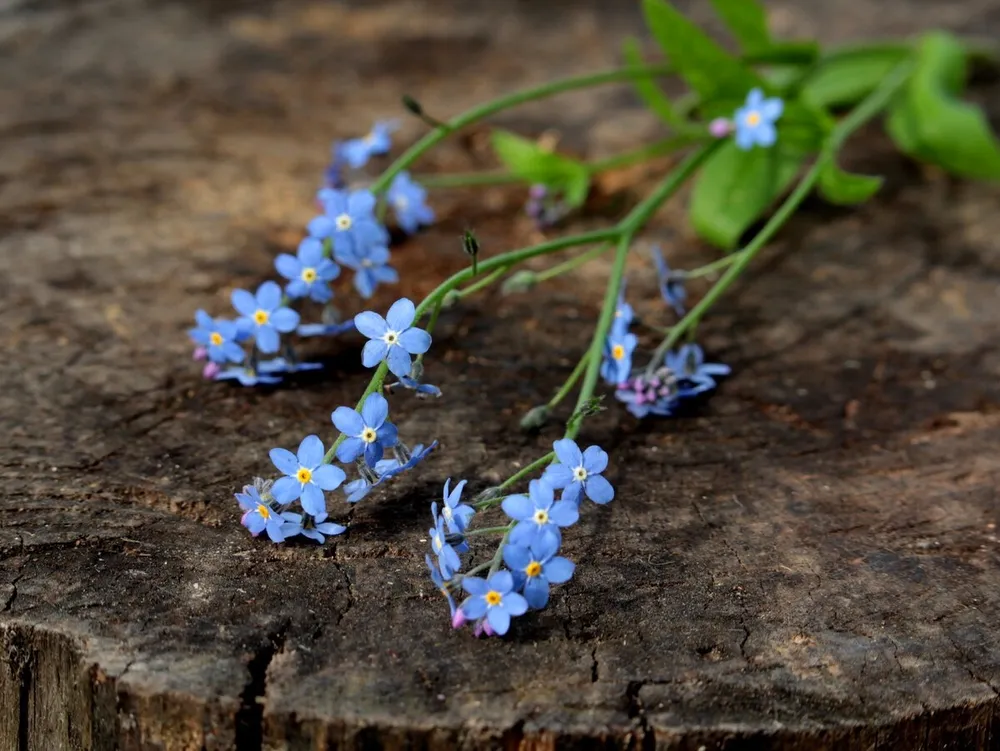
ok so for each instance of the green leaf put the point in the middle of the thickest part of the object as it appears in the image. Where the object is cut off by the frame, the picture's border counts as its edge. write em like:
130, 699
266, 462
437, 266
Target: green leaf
707, 68
651, 94
929, 123
848, 76
845, 188
736, 187
533, 164
747, 21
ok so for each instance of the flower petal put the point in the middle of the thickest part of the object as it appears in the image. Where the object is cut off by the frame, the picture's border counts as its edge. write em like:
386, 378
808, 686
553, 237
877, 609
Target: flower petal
321, 227
310, 453
284, 320
268, 340
361, 203
515, 604
328, 477
499, 620
288, 266
400, 315
475, 585
568, 452
501, 581
388, 436
542, 494
595, 460
350, 450
313, 501
399, 362
415, 341
347, 421
525, 533
375, 410
598, 489
517, 557
475, 607
559, 570
331, 528
536, 592
373, 452
518, 507
564, 513
285, 461
572, 492
255, 523
310, 252
286, 489
244, 302
558, 475
771, 109
374, 352
370, 324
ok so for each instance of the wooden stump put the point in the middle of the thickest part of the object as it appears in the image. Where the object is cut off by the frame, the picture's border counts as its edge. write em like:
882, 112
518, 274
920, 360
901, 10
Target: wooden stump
806, 561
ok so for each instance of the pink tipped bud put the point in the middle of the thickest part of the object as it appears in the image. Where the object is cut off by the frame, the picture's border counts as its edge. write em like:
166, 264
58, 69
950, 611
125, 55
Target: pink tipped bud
211, 370
200, 353
720, 127
537, 192
458, 618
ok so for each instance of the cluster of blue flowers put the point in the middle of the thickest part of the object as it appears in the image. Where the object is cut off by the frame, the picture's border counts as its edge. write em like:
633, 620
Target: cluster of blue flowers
254, 348
532, 539
658, 388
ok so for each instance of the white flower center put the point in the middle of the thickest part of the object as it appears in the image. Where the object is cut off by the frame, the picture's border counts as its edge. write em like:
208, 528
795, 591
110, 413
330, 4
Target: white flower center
343, 222
541, 516
579, 474
402, 203
390, 337
366, 263
368, 435
446, 513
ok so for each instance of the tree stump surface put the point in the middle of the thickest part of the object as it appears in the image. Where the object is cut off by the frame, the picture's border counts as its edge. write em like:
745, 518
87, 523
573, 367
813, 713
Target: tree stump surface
808, 560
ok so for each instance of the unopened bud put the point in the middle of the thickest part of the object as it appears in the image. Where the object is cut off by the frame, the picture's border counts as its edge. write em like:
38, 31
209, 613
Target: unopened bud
535, 418
520, 281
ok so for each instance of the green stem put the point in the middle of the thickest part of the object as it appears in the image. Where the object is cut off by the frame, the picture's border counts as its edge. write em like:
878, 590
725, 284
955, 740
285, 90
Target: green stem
498, 556
432, 321
486, 281
865, 111
571, 264
711, 268
487, 531
506, 102
564, 390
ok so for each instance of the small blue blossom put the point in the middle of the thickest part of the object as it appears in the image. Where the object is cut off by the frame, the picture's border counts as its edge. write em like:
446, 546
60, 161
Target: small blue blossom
409, 202
306, 476
357, 151
493, 598
439, 582
422, 389
538, 512
455, 514
448, 559
371, 268
218, 336
656, 394
386, 469
755, 120
367, 433
617, 363
624, 315
580, 472
247, 375
349, 220
536, 567
284, 365
324, 329
695, 374
309, 272
392, 338
264, 315
258, 515
671, 282
295, 524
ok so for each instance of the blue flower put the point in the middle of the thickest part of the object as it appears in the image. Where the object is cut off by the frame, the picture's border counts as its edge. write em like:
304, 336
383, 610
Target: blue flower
324, 329
247, 375
439, 582
392, 338
695, 374
386, 469
264, 314
309, 272
283, 365
349, 220
755, 120
537, 512
617, 363
455, 514
448, 559
371, 268
293, 525
656, 394
258, 515
536, 567
357, 151
671, 283
409, 201
623, 314
422, 389
306, 476
367, 433
218, 336
578, 472
493, 598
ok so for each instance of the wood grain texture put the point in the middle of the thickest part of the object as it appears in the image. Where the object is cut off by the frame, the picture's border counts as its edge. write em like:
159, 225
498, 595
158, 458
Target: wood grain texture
806, 561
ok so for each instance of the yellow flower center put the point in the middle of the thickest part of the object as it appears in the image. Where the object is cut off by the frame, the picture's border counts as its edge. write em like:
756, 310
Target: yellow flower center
261, 317
264, 511
215, 338
533, 569
753, 119
368, 435
343, 222
542, 516
618, 352
304, 475
309, 275
493, 598
579, 474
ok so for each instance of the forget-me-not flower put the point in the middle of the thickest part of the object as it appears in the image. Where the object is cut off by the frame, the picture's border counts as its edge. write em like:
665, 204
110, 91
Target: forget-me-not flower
386, 469
309, 272
624, 314
580, 472
248, 375
325, 329
258, 515
409, 202
493, 598
456, 514
357, 151
371, 268
218, 336
439, 582
536, 567
538, 512
367, 433
392, 338
306, 476
617, 363
656, 394
448, 558
671, 282
754, 121
264, 315
349, 220
422, 390
695, 374
294, 524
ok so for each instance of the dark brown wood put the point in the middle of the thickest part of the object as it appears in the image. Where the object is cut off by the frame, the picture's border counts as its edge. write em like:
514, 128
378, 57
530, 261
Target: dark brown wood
806, 561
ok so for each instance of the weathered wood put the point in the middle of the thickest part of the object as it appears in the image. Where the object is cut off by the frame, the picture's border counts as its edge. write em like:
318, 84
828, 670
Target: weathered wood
807, 561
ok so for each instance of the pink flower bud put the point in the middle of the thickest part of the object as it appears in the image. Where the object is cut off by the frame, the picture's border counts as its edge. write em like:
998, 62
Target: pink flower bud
720, 127
200, 353
458, 618
211, 370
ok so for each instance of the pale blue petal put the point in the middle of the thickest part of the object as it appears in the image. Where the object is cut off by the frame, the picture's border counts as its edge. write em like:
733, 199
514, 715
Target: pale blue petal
268, 340
350, 450
499, 619
517, 557
374, 352
475, 607
286, 489
558, 475
598, 489
400, 315
399, 362
331, 528
766, 134
284, 320
559, 570
568, 452
564, 513
313, 500
744, 138
415, 341
310, 453
475, 586
524, 534
244, 302
771, 109
373, 452
595, 460
518, 507
347, 421
370, 324
361, 203
328, 477
285, 461
255, 523
515, 604
536, 592
375, 410
572, 492
288, 266
388, 435
269, 295
501, 581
